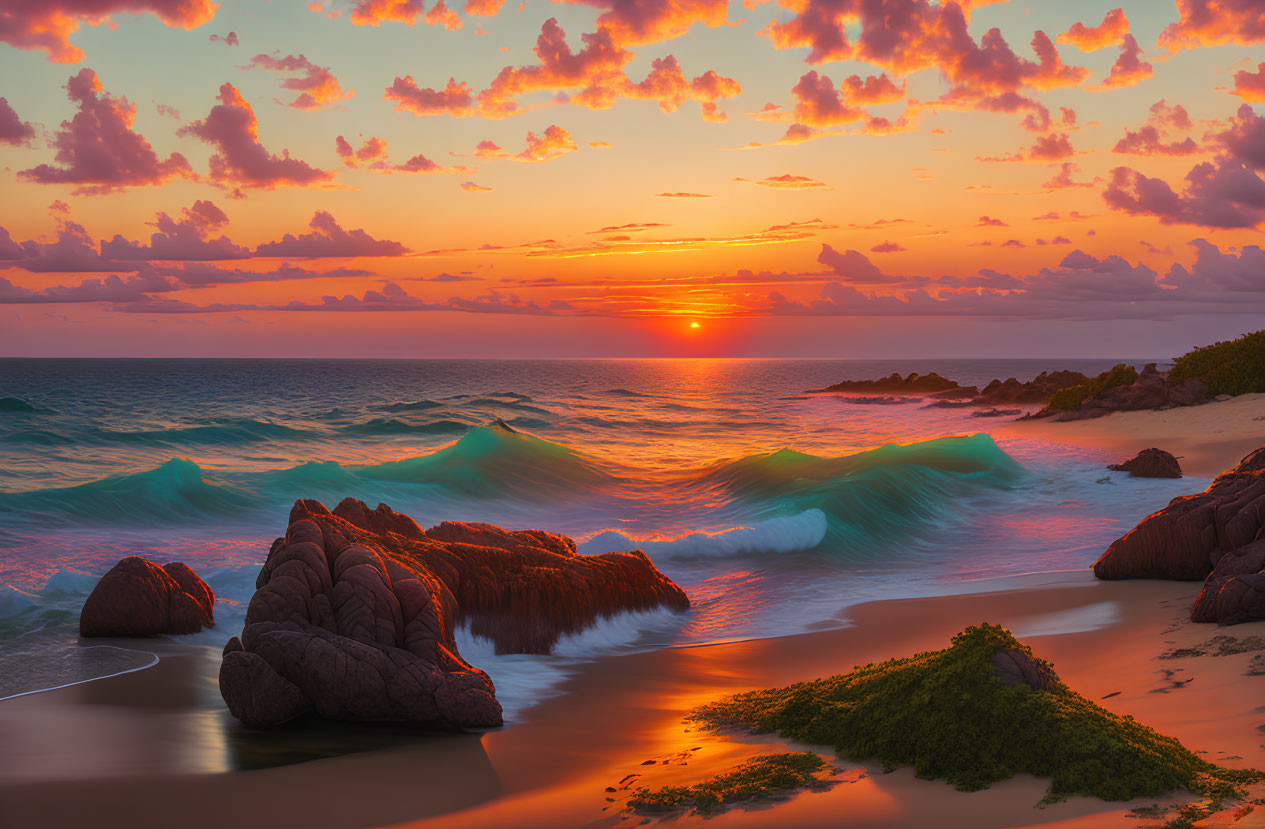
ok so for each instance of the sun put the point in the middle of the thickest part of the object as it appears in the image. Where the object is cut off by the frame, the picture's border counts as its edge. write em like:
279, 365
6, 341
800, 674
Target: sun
696, 324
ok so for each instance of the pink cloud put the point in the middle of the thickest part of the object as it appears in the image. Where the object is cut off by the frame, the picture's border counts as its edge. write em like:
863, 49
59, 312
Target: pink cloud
635, 23
786, 181
48, 24
441, 15
553, 143
228, 40
989, 221
817, 104
1129, 68
376, 12
13, 130
875, 90
1244, 137
1213, 23
888, 247
329, 239
471, 187
372, 149
1066, 178
186, 239
1053, 147
98, 151
454, 99
316, 87
1108, 33
1250, 86
240, 159
1224, 194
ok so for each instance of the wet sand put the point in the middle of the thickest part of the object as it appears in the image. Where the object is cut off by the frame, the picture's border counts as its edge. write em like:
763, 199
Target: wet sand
1207, 439
112, 753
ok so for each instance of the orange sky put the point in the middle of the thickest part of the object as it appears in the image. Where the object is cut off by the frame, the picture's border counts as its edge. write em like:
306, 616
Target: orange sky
800, 178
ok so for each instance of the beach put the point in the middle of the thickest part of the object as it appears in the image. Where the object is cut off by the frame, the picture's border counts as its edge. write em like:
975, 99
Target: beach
67, 753
155, 746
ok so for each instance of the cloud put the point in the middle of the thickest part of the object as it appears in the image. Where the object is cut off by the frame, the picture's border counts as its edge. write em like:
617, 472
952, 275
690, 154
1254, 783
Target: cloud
454, 99
553, 143
817, 104
888, 247
13, 130
371, 150
1213, 23
1224, 194
228, 40
98, 151
73, 251
241, 160
328, 239
1214, 270
1065, 178
417, 164
1250, 86
471, 187
1108, 33
113, 288
1129, 68
441, 15
597, 72
1053, 147
187, 238
483, 8
316, 86
1244, 137
989, 221
786, 181
854, 266
684, 196
47, 24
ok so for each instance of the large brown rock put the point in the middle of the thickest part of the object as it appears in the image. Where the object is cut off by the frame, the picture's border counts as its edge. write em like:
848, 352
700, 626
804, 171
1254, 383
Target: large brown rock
1150, 463
355, 610
139, 598
1217, 535
1152, 390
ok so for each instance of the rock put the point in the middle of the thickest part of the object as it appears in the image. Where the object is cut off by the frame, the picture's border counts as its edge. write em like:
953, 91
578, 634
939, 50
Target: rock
913, 384
1150, 463
355, 610
1151, 390
139, 598
1217, 535
997, 413
1014, 667
1038, 390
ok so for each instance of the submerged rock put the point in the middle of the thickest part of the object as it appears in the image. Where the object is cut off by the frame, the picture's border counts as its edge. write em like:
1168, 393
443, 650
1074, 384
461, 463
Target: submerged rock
1217, 535
1150, 463
355, 610
139, 598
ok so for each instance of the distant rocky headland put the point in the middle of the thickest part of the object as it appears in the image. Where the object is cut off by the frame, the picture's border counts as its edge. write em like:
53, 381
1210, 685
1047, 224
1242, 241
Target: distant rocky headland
1215, 372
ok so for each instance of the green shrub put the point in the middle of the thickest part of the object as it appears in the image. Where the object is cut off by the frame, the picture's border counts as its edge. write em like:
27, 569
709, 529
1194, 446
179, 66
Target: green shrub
949, 715
1071, 398
1235, 367
771, 774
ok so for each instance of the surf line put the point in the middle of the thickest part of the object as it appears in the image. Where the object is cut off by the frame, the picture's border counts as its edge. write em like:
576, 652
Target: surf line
95, 678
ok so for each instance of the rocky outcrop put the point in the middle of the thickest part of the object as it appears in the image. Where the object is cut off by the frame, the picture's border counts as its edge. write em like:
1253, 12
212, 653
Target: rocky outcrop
1150, 463
1217, 535
895, 384
1038, 390
139, 598
1152, 389
354, 613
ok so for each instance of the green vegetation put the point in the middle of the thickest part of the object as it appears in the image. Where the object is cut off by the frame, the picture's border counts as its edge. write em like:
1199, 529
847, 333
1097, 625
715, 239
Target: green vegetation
951, 716
1235, 367
769, 775
1072, 397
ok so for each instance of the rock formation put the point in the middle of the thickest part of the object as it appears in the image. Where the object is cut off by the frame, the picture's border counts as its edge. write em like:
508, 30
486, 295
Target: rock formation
1215, 535
139, 598
895, 384
1151, 390
354, 613
1150, 463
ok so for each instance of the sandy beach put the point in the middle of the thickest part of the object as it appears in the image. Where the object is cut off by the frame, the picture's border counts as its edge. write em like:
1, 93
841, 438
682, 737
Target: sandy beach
1207, 439
155, 747
95, 753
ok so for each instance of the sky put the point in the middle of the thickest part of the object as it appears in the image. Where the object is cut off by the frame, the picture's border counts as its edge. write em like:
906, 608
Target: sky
630, 178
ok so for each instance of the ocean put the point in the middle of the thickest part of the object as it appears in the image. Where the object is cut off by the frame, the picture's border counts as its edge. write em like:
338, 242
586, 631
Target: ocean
774, 509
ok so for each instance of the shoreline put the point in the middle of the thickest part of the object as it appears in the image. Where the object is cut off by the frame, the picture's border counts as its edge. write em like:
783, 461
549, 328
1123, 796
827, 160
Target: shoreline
1207, 439
617, 713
